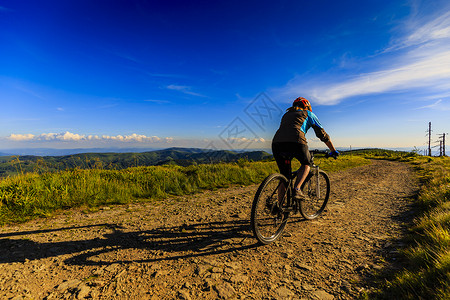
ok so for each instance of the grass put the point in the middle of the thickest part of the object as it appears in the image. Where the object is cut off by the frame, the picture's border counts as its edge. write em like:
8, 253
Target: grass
40, 194
427, 272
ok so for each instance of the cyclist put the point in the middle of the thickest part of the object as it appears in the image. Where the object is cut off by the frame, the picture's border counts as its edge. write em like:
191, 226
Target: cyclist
290, 141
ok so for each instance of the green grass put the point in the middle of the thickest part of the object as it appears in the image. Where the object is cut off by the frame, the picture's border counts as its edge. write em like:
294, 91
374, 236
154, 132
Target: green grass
40, 194
386, 154
426, 275
427, 272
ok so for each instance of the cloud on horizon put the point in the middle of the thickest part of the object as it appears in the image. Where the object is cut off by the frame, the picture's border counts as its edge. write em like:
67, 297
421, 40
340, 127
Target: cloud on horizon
69, 139
73, 137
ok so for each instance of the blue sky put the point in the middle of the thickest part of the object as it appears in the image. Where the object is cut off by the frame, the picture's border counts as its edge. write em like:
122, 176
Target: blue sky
219, 74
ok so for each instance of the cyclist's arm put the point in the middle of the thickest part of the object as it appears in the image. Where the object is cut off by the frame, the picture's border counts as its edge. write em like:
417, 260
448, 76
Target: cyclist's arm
330, 146
320, 132
318, 128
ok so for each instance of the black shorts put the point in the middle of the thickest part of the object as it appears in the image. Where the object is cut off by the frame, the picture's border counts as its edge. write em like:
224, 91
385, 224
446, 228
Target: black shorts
286, 151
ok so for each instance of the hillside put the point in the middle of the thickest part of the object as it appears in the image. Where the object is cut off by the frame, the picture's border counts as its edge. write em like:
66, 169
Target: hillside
10, 165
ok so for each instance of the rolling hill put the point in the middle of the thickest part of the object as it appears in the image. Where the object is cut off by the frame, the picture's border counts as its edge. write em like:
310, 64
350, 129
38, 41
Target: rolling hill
10, 165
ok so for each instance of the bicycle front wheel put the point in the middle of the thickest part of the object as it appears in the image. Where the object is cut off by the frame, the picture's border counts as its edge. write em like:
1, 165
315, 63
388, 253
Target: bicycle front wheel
268, 217
316, 189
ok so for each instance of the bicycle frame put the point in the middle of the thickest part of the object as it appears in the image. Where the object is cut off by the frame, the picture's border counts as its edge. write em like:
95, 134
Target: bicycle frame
315, 171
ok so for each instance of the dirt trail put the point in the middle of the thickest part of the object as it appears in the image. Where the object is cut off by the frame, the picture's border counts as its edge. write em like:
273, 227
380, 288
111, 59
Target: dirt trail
201, 246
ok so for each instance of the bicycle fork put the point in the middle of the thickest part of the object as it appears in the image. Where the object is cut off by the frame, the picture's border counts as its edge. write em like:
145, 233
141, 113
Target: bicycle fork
316, 175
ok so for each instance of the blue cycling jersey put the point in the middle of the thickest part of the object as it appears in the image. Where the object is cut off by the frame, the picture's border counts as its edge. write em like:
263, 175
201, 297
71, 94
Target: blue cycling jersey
310, 121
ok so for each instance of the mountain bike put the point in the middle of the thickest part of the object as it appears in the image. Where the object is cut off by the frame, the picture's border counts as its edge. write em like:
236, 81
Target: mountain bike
274, 202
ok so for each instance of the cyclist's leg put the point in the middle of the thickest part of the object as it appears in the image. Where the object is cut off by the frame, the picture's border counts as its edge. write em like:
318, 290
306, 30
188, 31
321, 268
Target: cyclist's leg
282, 188
303, 155
301, 176
283, 154
283, 158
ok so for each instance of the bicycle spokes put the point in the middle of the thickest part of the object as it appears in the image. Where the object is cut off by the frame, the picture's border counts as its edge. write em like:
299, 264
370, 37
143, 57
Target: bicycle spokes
317, 190
268, 214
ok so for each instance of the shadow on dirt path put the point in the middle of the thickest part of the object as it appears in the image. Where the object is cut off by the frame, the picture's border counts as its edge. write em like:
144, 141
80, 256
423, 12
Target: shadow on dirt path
164, 243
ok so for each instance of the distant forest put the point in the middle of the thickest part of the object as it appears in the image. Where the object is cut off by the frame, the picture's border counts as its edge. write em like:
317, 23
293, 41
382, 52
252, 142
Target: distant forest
10, 165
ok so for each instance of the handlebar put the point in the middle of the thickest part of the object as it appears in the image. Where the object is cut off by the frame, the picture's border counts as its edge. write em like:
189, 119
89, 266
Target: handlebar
333, 154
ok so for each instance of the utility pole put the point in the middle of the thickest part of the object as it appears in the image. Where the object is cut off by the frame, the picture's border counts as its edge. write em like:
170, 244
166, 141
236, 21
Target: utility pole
443, 144
442, 136
429, 138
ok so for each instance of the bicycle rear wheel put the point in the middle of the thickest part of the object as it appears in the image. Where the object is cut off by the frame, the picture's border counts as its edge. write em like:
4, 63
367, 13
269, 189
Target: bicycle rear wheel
317, 192
268, 217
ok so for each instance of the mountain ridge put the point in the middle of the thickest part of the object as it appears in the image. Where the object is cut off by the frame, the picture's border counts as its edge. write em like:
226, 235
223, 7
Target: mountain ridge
14, 164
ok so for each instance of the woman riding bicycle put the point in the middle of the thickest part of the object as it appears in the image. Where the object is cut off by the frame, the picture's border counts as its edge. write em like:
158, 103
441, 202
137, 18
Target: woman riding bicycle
290, 141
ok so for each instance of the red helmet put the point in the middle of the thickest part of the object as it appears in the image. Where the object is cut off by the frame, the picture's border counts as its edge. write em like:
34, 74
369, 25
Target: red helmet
302, 103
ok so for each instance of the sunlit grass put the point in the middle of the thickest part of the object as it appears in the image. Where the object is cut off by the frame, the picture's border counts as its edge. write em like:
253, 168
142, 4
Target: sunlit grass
427, 273
39, 194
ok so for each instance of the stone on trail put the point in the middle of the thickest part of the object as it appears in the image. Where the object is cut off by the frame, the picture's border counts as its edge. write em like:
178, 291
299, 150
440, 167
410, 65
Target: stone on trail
225, 290
68, 284
233, 265
83, 291
202, 269
184, 295
216, 270
307, 287
238, 278
322, 295
207, 284
284, 293
303, 266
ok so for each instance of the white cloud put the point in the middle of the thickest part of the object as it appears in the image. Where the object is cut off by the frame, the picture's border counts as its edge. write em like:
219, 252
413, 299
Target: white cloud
67, 136
426, 71
64, 136
178, 87
157, 101
240, 140
21, 137
74, 137
423, 32
421, 60
92, 137
437, 105
184, 89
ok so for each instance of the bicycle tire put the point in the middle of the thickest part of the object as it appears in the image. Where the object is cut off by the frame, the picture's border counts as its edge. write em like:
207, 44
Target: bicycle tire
312, 206
267, 219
